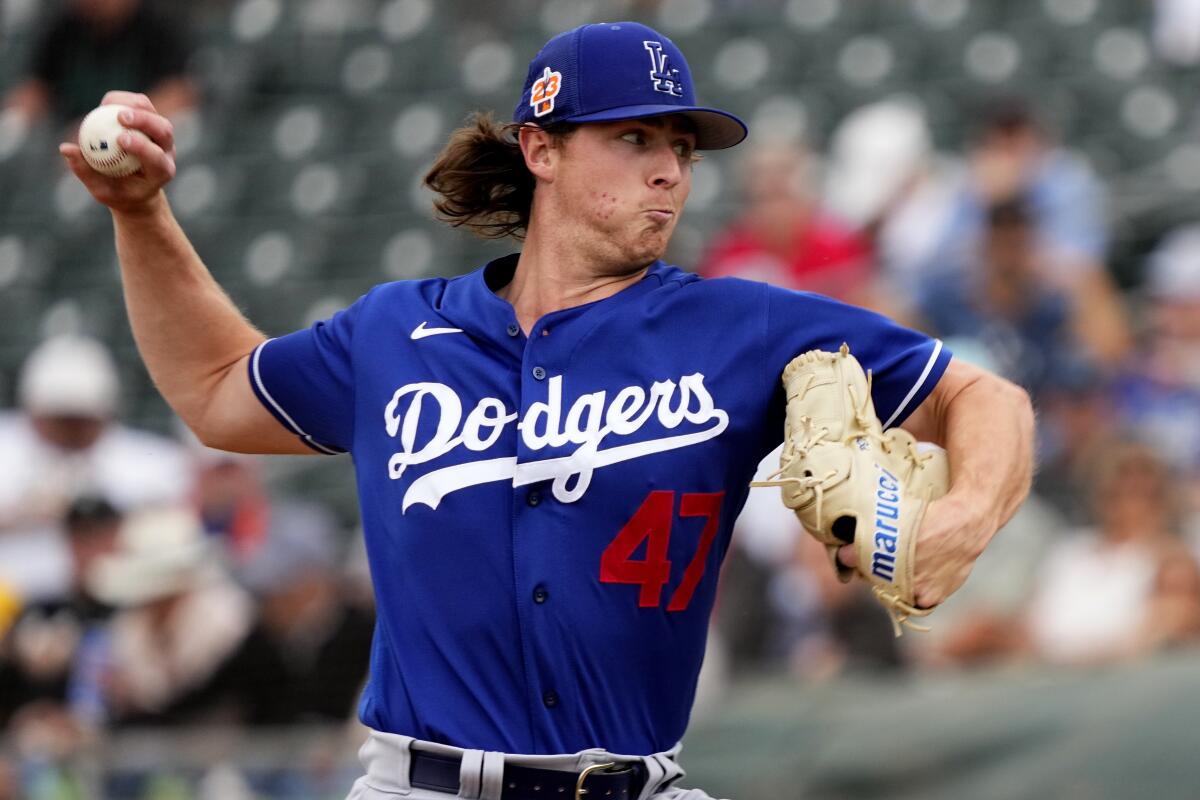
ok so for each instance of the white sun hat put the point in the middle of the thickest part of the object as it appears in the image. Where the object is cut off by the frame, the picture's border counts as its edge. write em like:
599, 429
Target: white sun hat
160, 552
874, 152
69, 375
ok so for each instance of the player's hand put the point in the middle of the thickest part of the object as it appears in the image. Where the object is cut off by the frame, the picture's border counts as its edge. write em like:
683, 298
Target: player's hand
140, 192
952, 537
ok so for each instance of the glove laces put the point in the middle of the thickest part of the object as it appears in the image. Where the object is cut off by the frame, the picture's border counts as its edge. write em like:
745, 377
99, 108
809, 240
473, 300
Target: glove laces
865, 426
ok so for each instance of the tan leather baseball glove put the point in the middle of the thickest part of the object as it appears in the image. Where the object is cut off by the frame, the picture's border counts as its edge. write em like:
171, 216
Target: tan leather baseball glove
850, 482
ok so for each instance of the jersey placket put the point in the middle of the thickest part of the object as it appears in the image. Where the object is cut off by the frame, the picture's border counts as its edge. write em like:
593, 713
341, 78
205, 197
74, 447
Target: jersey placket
532, 507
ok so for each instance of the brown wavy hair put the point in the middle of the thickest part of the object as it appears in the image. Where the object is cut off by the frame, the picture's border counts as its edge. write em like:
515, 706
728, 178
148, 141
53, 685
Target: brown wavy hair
481, 179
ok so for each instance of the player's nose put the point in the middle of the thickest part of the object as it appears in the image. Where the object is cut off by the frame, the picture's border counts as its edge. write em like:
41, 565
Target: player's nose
666, 170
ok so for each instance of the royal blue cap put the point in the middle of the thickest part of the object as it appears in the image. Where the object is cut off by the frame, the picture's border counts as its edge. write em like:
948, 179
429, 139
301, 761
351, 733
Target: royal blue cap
619, 70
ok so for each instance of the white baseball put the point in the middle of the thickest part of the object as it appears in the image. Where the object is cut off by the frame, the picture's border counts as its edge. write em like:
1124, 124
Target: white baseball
98, 140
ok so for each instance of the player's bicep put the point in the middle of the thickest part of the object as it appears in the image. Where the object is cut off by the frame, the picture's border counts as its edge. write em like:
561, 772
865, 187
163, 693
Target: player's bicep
236, 420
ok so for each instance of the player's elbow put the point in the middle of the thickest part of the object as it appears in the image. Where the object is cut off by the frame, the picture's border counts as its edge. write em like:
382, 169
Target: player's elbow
219, 409
1019, 400
207, 435
206, 426
1026, 420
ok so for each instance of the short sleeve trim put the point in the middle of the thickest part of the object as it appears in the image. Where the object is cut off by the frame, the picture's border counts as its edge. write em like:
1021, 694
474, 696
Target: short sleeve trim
900, 411
264, 396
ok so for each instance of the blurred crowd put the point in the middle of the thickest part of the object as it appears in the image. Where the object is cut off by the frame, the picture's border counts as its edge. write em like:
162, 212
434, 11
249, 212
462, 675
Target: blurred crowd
1001, 251
150, 581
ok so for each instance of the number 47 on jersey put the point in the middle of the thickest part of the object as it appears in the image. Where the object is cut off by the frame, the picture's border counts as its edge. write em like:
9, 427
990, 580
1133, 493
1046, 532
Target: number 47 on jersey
652, 523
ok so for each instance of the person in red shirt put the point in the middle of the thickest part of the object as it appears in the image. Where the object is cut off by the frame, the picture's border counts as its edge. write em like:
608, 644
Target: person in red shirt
782, 236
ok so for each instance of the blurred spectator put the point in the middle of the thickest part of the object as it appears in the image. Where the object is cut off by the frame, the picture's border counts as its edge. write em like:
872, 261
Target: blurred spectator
830, 627
1129, 586
234, 505
1071, 411
888, 183
1000, 297
1124, 588
1177, 31
66, 443
1159, 395
92, 46
44, 646
312, 644
180, 620
1013, 159
783, 237
10, 608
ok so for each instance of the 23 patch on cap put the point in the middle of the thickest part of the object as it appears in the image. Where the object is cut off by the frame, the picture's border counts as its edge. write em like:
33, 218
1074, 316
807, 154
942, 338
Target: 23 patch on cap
544, 90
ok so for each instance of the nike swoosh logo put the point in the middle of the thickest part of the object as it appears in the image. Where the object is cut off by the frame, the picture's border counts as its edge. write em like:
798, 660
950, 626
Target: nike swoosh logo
421, 331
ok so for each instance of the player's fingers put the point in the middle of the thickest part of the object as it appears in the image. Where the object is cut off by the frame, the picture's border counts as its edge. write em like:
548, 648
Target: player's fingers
77, 164
74, 158
131, 99
96, 183
157, 127
847, 556
157, 165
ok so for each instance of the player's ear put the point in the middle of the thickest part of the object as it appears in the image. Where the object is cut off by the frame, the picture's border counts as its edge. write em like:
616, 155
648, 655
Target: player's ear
540, 153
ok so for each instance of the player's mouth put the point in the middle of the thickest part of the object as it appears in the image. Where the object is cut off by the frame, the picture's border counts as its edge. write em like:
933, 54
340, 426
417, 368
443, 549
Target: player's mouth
660, 216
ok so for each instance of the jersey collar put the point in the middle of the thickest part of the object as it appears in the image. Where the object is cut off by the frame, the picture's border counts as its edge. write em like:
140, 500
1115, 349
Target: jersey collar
472, 304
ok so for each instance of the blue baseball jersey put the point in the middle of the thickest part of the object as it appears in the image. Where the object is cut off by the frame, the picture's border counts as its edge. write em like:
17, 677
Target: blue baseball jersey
546, 515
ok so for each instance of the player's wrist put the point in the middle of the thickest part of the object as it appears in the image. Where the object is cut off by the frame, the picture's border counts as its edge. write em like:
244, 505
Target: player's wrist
976, 517
152, 209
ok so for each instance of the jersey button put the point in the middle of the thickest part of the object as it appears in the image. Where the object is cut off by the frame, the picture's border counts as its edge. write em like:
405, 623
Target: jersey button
539, 373
513, 329
534, 498
550, 699
540, 595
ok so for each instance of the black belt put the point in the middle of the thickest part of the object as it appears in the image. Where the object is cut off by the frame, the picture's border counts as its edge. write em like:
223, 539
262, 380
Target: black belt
597, 782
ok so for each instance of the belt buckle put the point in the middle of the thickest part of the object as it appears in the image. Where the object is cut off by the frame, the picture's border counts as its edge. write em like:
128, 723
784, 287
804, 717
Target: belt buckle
583, 776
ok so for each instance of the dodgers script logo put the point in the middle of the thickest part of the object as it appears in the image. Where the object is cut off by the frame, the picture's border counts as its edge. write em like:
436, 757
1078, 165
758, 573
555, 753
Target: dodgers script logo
593, 420
543, 92
665, 77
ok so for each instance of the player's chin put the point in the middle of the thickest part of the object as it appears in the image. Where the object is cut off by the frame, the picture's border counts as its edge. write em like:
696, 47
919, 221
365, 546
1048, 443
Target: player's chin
651, 242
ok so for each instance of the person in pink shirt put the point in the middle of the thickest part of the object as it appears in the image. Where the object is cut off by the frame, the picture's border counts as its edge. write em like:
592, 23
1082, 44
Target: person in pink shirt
782, 236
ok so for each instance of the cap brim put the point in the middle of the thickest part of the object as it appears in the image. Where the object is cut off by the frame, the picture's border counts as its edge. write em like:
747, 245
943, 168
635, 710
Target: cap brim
715, 130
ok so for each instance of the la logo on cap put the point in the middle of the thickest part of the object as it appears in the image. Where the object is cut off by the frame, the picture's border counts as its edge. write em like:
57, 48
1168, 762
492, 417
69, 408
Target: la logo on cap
665, 77
544, 90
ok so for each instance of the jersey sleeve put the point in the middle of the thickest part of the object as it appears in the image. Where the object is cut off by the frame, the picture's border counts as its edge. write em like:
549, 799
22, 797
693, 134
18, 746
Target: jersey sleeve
905, 364
306, 380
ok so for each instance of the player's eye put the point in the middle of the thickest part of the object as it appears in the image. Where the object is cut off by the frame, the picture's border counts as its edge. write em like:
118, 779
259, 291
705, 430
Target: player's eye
634, 137
684, 149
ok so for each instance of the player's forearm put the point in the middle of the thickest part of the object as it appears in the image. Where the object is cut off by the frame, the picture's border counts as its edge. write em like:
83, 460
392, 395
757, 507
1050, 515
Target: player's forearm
187, 330
988, 433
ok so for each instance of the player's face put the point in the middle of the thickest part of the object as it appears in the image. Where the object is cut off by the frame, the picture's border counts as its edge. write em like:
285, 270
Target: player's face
623, 184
